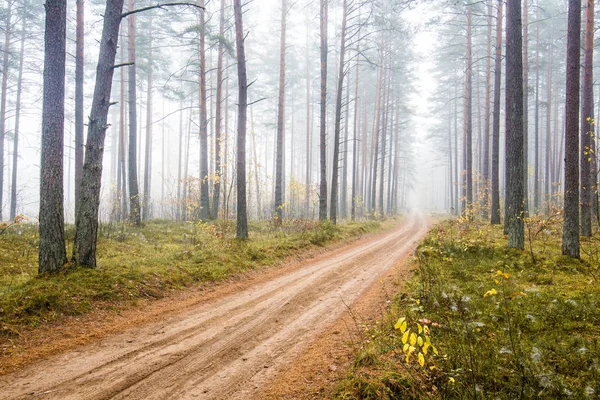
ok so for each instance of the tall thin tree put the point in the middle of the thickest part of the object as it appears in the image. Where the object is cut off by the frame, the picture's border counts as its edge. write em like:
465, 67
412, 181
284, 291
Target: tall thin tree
323, 115
279, 173
495, 211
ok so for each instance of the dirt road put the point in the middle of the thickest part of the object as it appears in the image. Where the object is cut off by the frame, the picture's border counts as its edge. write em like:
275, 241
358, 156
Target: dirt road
225, 349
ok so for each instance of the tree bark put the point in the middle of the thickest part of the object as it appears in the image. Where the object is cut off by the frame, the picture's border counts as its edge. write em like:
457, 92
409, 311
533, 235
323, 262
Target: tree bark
514, 126
218, 116
525, 108
3, 95
280, 122
536, 175
13, 193
570, 239
134, 196
486, 119
242, 218
323, 116
495, 217
338, 120
79, 105
146, 208
204, 211
52, 251
587, 125
86, 221
469, 119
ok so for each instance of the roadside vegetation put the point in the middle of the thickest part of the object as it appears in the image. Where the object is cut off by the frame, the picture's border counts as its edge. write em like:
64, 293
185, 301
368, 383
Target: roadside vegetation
147, 262
506, 323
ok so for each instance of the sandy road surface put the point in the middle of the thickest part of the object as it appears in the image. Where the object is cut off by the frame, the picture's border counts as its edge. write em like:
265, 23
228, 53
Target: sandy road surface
224, 349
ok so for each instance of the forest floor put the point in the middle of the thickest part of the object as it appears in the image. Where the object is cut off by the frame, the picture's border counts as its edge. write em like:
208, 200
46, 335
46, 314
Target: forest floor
136, 266
229, 341
480, 320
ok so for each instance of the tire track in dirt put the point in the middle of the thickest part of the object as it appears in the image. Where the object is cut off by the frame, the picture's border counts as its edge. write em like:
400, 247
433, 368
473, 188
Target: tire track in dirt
227, 348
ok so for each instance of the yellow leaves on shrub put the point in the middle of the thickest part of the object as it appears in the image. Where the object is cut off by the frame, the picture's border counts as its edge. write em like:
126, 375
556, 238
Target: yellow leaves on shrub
415, 341
490, 292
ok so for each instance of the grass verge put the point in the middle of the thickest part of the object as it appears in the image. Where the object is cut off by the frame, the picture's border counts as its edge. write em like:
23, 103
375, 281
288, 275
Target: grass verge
141, 263
505, 324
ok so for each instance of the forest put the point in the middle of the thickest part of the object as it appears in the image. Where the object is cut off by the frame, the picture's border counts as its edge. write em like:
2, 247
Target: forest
316, 198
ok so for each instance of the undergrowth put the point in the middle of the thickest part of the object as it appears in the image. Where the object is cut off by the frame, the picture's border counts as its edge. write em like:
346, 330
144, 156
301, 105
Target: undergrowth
508, 324
148, 262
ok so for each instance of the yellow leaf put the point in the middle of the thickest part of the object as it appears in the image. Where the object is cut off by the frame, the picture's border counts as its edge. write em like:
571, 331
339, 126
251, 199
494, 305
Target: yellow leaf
405, 336
490, 292
421, 359
399, 323
420, 328
426, 348
405, 348
403, 327
451, 380
434, 350
420, 341
413, 339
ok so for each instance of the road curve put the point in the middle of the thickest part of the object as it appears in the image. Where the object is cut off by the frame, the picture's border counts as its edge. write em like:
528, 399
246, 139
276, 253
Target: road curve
224, 349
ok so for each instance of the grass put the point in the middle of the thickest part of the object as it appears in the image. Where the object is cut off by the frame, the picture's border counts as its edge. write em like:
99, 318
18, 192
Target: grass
147, 262
508, 324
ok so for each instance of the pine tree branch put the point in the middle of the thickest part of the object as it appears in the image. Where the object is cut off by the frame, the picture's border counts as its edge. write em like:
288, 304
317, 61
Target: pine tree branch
161, 6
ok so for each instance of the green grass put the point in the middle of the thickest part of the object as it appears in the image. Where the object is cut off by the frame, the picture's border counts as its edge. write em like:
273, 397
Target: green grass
534, 335
146, 262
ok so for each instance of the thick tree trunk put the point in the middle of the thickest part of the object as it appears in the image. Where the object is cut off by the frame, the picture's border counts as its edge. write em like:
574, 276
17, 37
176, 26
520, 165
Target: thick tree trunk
323, 115
3, 96
218, 117
79, 77
587, 125
134, 196
278, 212
52, 251
146, 208
86, 221
204, 211
242, 218
570, 240
495, 218
338, 120
514, 126
13, 192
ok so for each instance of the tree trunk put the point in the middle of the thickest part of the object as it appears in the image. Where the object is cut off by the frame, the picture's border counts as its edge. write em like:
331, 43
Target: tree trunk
79, 106
5, 71
355, 148
242, 219
338, 120
486, 119
495, 219
122, 143
587, 125
52, 251
536, 176
146, 208
204, 211
514, 126
570, 239
134, 196
218, 117
468, 210
86, 221
13, 193
323, 116
548, 156
525, 108
280, 122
